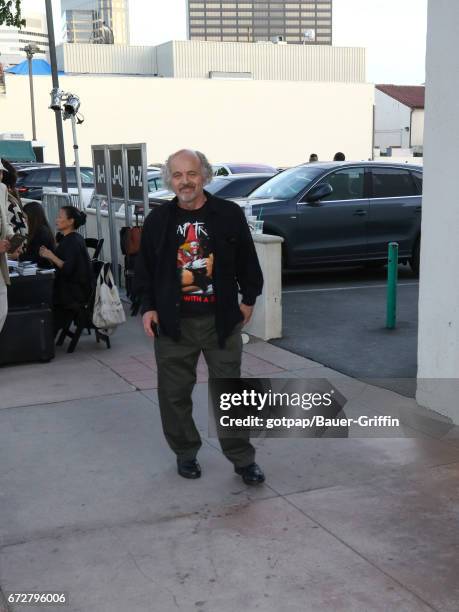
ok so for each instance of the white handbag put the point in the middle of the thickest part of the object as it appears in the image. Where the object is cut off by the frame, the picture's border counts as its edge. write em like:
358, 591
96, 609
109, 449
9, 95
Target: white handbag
108, 310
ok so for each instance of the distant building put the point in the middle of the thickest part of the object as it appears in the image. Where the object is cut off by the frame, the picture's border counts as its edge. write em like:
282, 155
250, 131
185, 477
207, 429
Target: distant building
13, 41
303, 21
95, 21
399, 117
196, 59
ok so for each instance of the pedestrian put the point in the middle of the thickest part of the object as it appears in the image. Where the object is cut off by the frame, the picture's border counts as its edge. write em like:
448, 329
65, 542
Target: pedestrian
339, 156
6, 232
15, 209
196, 251
313, 158
73, 280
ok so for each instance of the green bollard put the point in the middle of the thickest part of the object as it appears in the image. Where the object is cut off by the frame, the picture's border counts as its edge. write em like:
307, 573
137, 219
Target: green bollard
392, 277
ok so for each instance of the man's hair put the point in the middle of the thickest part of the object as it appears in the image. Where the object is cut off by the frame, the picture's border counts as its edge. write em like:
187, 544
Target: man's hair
207, 171
313, 157
339, 156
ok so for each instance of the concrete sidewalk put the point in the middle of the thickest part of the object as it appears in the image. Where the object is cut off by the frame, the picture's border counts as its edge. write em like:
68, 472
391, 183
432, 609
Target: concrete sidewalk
91, 504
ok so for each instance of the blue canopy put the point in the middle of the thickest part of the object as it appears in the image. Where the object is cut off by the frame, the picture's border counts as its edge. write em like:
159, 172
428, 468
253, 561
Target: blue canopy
39, 67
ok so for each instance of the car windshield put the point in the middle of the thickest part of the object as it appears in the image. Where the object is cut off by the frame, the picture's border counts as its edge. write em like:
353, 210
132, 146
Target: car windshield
247, 168
215, 185
287, 184
155, 182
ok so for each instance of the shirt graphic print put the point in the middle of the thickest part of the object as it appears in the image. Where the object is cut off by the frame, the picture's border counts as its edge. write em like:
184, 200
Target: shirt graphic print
195, 262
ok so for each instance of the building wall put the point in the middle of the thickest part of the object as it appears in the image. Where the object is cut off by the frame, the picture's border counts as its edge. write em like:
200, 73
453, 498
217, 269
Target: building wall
263, 121
417, 128
165, 60
391, 119
438, 347
196, 59
106, 59
239, 20
266, 61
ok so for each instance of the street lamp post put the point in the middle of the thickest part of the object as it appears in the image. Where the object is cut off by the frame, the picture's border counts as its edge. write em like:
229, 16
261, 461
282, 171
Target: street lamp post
30, 50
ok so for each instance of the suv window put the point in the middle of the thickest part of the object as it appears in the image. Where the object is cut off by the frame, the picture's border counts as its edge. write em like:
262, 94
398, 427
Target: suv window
55, 176
392, 183
36, 178
347, 184
87, 177
417, 177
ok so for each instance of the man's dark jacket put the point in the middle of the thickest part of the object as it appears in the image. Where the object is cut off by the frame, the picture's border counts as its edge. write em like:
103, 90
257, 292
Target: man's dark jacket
236, 266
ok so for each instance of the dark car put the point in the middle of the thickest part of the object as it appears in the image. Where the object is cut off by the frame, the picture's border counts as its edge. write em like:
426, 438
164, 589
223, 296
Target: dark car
331, 213
32, 180
228, 187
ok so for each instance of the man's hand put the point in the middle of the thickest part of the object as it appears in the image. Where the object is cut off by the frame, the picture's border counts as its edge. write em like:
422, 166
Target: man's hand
246, 312
4, 246
151, 316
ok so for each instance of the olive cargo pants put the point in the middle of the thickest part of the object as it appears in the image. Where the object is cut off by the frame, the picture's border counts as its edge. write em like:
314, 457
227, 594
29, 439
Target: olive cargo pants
177, 362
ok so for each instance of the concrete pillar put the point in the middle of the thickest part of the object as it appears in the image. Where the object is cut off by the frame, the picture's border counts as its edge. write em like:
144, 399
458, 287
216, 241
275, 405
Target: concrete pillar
438, 350
266, 322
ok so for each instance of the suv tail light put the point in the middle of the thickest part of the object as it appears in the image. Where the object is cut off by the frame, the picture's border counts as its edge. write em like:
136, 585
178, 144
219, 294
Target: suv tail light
23, 189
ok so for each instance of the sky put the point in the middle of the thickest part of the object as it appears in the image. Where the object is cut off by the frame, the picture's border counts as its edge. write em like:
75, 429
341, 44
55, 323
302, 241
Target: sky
393, 31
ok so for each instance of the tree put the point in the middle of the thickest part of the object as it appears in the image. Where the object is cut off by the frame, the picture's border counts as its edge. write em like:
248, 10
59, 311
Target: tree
10, 16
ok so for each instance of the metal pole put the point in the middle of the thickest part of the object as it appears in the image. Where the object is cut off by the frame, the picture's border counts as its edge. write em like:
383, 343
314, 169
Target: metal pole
127, 204
58, 114
77, 162
32, 101
392, 276
112, 221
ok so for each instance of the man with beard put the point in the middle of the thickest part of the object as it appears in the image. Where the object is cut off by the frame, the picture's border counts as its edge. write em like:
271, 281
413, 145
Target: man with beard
196, 255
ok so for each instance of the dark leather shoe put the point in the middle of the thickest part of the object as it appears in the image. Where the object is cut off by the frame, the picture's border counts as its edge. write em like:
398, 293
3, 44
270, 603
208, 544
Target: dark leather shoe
251, 474
189, 469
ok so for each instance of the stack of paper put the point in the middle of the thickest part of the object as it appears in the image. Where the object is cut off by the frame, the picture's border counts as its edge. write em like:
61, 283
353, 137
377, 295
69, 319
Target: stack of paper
27, 268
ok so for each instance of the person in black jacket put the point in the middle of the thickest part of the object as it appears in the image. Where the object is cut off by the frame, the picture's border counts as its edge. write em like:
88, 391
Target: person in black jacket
39, 234
73, 282
196, 254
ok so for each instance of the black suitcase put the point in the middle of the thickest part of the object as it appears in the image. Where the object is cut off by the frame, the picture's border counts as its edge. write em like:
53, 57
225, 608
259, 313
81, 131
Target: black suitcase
27, 336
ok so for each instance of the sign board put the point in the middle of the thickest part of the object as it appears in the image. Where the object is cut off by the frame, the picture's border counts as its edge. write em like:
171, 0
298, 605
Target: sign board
135, 172
116, 173
100, 171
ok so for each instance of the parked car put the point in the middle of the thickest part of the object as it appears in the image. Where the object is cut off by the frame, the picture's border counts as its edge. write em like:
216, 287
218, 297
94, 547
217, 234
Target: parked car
34, 180
155, 180
330, 213
228, 187
227, 169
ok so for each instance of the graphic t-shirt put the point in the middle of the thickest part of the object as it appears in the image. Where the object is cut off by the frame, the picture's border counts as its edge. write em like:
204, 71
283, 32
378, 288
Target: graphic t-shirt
195, 262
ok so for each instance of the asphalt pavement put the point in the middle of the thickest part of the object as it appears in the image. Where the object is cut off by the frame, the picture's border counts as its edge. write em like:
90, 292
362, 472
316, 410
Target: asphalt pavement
338, 318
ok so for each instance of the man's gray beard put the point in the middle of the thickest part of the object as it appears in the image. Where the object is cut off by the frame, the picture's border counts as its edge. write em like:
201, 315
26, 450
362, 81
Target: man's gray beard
187, 199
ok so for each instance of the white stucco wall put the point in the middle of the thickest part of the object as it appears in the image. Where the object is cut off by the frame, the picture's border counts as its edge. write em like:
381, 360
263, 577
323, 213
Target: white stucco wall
417, 128
438, 351
391, 119
256, 121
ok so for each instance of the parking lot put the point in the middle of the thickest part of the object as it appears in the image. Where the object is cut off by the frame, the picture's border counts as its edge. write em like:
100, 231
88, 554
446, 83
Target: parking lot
337, 317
